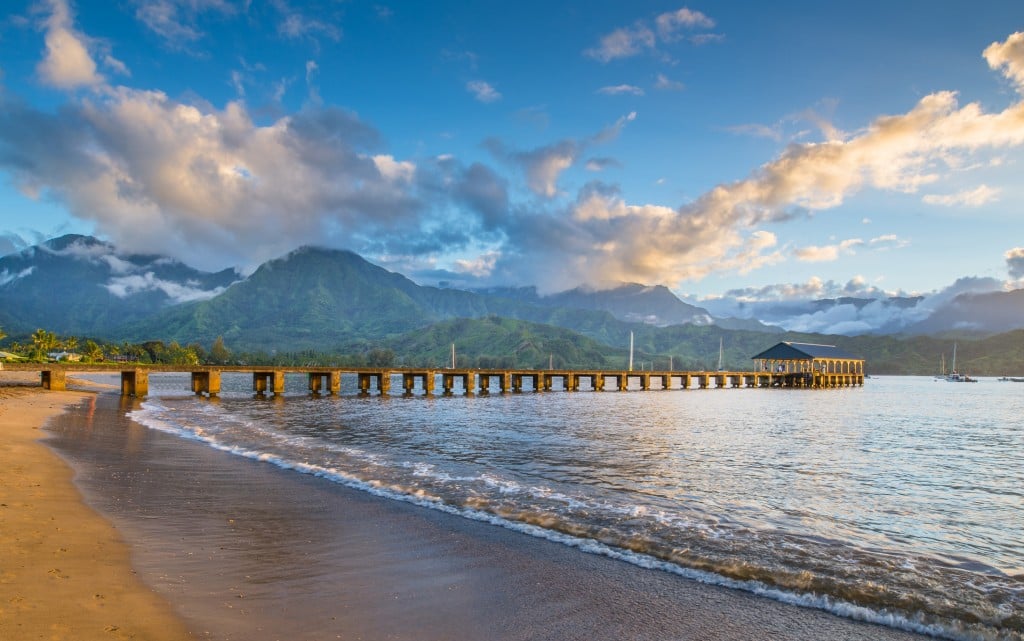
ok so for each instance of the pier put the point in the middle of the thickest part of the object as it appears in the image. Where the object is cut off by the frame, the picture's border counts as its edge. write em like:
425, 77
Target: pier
206, 379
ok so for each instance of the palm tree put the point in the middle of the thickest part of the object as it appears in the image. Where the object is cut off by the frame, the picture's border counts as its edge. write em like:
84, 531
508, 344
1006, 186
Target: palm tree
93, 352
44, 342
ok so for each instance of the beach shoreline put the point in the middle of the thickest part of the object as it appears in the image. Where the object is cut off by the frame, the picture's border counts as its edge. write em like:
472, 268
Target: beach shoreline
66, 572
237, 549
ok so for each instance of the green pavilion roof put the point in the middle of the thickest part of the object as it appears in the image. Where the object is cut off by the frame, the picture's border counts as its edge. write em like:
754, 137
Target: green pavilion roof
788, 351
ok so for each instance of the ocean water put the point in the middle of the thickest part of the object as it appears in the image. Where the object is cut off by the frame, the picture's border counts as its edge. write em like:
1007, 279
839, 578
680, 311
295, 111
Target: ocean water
900, 503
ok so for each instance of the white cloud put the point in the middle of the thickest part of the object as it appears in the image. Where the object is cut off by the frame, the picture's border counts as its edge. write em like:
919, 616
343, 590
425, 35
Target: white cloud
1008, 56
649, 243
1015, 262
125, 286
621, 89
67, 63
671, 22
395, 170
9, 277
969, 198
296, 25
543, 166
479, 267
887, 242
664, 83
826, 253
626, 42
623, 43
164, 17
482, 91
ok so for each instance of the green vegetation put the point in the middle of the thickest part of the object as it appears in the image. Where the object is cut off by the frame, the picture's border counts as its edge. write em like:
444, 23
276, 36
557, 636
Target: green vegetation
496, 342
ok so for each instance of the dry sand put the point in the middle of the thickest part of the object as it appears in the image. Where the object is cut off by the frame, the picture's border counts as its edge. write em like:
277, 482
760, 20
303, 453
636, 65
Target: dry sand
65, 573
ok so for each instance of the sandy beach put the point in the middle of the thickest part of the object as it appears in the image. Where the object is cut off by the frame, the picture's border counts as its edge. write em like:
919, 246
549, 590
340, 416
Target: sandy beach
220, 547
66, 572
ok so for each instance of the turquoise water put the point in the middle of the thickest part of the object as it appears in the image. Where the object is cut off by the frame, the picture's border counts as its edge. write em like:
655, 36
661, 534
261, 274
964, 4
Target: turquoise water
901, 502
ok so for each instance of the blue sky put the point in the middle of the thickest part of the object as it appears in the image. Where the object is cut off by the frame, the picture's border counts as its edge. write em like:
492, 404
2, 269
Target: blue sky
733, 151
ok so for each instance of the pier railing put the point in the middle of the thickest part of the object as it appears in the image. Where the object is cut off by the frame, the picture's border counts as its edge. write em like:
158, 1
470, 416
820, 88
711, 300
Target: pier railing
206, 379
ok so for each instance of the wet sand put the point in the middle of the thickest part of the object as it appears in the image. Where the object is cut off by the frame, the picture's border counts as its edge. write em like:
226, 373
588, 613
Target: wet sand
65, 573
245, 550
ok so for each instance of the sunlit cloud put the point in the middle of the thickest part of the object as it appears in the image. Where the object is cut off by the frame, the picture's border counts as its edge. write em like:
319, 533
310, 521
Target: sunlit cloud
216, 185
479, 267
976, 197
826, 253
888, 241
67, 63
626, 42
1015, 262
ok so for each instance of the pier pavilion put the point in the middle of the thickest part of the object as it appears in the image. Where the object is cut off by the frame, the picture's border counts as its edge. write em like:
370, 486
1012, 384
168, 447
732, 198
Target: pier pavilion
810, 365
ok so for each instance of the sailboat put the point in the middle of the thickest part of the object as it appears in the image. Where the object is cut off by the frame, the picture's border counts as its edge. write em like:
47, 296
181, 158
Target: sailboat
721, 352
955, 376
941, 376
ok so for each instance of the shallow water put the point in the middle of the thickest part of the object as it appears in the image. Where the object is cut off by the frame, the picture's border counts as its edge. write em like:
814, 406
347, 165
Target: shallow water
901, 502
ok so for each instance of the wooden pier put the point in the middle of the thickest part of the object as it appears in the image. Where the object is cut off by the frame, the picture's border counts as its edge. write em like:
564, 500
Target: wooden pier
327, 380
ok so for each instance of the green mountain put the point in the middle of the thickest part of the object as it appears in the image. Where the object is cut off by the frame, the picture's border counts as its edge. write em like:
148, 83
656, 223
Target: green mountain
322, 299
310, 299
496, 342
321, 302
80, 285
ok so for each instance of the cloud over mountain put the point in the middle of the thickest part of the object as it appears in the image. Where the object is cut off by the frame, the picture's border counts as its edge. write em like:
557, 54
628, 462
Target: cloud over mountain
225, 185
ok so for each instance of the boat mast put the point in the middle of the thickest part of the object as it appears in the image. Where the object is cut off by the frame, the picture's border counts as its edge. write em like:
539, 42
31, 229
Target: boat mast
719, 353
631, 351
453, 355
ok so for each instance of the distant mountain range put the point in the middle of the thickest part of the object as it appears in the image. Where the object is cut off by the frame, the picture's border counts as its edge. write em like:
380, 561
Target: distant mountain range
80, 285
335, 301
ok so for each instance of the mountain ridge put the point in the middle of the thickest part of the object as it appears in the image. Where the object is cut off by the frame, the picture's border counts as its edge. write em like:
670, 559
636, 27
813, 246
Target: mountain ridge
320, 298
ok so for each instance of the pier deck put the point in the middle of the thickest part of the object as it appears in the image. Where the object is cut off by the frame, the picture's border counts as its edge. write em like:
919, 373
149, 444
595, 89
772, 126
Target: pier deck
206, 379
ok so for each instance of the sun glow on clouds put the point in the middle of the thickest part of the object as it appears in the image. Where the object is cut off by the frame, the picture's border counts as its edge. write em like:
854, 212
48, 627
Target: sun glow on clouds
67, 63
210, 184
968, 198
